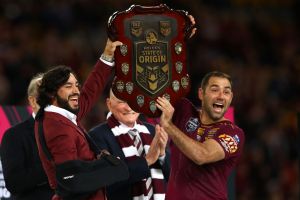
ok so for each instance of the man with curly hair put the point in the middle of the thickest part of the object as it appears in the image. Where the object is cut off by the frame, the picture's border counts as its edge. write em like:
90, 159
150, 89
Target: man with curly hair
63, 104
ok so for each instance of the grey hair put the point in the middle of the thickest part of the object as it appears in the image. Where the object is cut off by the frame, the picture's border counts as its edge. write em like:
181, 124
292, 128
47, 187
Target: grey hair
32, 89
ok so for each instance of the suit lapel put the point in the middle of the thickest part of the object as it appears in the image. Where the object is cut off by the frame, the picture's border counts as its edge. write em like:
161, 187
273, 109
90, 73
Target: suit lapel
29, 123
113, 143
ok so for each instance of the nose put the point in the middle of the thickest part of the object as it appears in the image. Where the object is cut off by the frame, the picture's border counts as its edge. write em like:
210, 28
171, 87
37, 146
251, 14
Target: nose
76, 89
221, 94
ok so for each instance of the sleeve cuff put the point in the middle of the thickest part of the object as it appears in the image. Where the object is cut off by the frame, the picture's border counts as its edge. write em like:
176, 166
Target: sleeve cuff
162, 159
108, 63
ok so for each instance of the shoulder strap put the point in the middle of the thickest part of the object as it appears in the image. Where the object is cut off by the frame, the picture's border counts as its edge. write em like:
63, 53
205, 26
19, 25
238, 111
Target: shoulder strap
43, 141
92, 144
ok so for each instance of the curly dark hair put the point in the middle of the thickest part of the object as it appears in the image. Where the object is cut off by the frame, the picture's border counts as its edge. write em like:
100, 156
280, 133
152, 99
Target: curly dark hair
51, 82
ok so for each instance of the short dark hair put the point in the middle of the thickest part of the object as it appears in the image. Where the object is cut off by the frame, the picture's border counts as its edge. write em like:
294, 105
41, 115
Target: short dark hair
219, 74
51, 82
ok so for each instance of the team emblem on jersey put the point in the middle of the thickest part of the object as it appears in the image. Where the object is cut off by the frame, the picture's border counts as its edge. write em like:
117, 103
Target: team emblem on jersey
229, 143
200, 132
192, 124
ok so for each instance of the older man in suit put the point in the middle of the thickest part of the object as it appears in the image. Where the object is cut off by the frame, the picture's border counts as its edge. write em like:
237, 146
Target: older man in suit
140, 145
23, 173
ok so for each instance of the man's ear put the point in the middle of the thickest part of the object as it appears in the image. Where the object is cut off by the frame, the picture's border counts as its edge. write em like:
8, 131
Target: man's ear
31, 100
33, 103
108, 103
200, 93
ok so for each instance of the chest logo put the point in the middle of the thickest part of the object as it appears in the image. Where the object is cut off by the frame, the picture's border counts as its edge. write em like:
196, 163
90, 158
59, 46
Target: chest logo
192, 124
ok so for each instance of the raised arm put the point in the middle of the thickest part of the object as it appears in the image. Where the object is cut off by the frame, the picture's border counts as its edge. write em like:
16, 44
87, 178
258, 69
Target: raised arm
96, 81
200, 153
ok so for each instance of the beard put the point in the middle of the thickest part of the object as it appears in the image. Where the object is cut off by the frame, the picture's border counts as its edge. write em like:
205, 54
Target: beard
211, 114
65, 105
215, 117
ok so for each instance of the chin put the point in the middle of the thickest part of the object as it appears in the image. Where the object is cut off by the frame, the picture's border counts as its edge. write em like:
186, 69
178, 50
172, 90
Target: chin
74, 110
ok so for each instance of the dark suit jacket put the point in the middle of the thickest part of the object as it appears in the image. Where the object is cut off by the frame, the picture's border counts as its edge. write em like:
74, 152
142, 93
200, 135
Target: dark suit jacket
138, 168
22, 169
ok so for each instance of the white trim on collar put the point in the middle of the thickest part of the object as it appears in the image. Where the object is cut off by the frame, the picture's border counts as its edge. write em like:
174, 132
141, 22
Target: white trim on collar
67, 114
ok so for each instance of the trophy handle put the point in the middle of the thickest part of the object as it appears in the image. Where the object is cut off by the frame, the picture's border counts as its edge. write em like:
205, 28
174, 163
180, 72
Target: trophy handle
149, 9
111, 29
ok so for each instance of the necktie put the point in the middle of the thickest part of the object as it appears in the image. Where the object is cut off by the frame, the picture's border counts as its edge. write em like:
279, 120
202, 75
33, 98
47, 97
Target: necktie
139, 146
137, 141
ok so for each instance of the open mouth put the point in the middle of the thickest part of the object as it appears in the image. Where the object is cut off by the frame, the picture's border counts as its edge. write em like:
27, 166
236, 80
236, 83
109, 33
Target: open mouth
74, 99
218, 107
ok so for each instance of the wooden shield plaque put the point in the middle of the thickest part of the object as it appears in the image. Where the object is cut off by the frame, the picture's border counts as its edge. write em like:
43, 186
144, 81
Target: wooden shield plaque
152, 60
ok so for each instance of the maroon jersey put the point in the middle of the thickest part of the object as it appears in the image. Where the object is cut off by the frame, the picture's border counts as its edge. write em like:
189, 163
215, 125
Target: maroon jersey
209, 181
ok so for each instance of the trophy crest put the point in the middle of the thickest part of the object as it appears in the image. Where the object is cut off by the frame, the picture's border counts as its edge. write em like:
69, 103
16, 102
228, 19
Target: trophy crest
152, 60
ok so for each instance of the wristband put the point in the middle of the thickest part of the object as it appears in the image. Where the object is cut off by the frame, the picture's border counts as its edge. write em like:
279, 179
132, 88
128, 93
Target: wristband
107, 58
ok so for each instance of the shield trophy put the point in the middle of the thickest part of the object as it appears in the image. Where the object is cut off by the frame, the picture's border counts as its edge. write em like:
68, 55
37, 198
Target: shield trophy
152, 60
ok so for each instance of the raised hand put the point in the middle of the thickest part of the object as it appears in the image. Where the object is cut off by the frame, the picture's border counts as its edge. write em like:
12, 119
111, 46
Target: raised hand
111, 47
162, 139
193, 23
154, 151
167, 111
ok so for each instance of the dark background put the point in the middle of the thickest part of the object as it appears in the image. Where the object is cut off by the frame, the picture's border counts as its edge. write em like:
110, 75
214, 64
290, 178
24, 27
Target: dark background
255, 41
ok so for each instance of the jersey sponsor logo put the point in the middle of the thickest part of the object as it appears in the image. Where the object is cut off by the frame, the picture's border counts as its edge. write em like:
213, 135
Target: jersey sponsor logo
229, 143
211, 133
192, 124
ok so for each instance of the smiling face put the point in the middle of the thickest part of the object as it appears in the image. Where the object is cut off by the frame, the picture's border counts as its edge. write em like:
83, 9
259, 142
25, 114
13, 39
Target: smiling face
121, 110
68, 95
216, 98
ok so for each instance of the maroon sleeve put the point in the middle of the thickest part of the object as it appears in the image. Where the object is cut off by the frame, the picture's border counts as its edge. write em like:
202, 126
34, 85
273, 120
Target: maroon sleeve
178, 111
93, 87
184, 112
231, 139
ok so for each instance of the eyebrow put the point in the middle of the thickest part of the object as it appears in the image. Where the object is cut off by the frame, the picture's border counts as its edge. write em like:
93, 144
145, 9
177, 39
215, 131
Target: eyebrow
215, 85
68, 82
